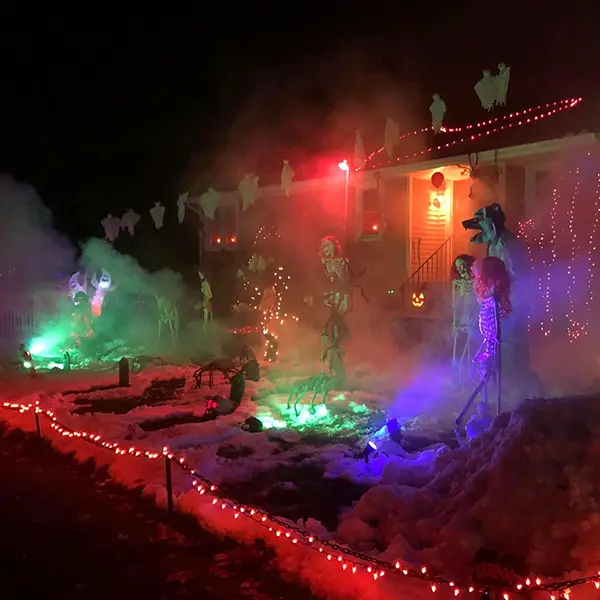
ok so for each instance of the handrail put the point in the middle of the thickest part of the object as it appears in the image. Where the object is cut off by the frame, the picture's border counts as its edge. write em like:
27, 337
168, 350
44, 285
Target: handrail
434, 268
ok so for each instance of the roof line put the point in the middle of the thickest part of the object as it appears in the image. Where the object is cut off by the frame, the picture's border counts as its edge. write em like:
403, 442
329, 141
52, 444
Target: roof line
511, 152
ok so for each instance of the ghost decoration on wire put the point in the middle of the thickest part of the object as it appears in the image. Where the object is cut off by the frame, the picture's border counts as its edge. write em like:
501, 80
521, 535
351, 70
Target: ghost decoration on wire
360, 157
391, 136
287, 175
210, 201
181, 204
485, 89
103, 286
258, 263
77, 284
112, 227
437, 110
157, 212
502, 80
129, 220
249, 189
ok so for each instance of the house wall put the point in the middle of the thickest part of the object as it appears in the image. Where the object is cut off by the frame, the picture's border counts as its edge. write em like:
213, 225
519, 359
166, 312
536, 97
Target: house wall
384, 257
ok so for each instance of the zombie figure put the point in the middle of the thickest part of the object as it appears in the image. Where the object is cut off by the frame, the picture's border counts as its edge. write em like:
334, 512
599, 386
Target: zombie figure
464, 310
490, 222
206, 303
338, 299
81, 328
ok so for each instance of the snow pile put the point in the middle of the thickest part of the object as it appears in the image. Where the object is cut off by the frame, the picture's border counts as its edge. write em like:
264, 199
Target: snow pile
526, 489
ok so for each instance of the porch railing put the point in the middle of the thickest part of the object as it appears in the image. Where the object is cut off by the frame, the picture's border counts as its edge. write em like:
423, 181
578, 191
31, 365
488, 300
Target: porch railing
435, 269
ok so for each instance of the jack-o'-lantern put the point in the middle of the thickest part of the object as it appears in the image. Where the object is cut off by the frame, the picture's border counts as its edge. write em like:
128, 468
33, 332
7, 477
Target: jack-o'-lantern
418, 299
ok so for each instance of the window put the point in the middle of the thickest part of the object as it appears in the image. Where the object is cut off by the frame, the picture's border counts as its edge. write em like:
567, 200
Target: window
371, 217
222, 232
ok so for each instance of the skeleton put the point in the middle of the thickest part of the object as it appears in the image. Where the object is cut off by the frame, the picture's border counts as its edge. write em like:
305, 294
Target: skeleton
339, 301
491, 292
168, 315
206, 304
102, 286
463, 311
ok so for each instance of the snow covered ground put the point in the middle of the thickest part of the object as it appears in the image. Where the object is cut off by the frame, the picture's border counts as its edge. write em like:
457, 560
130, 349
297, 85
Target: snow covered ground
526, 490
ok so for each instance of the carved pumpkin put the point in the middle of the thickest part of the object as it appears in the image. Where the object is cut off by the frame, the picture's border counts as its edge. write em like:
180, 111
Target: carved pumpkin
418, 299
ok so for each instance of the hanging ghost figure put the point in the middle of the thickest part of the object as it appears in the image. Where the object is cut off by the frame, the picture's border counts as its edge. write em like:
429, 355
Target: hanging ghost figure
391, 135
111, 226
287, 174
437, 110
158, 214
103, 286
257, 264
359, 151
485, 89
181, 203
129, 220
248, 189
209, 201
502, 80
75, 286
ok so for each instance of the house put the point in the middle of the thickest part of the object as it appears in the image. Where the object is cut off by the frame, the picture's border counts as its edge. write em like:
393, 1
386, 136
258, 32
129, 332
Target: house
393, 222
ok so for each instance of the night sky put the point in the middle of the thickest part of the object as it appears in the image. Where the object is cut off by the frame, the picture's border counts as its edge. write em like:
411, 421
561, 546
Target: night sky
108, 112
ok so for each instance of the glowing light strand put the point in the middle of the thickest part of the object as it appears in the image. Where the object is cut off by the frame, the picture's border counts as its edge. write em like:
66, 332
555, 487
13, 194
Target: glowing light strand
348, 560
574, 329
592, 250
514, 119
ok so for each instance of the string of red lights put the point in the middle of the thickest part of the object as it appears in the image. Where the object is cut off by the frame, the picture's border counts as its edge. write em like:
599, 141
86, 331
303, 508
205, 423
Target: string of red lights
497, 124
348, 560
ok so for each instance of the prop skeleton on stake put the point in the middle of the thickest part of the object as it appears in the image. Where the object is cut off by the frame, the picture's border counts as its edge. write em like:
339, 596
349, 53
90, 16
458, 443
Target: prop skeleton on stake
168, 315
339, 301
206, 304
492, 287
464, 311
